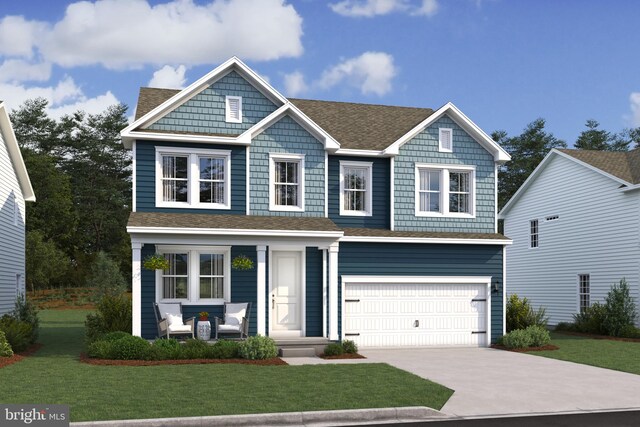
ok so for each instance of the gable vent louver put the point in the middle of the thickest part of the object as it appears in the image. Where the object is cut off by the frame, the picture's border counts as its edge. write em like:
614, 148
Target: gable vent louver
446, 143
234, 109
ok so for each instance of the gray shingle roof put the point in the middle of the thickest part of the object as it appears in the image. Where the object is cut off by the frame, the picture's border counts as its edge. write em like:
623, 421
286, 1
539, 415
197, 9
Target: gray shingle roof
621, 164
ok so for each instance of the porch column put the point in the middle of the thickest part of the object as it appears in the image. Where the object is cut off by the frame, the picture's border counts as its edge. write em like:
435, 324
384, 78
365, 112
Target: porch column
260, 290
333, 291
136, 289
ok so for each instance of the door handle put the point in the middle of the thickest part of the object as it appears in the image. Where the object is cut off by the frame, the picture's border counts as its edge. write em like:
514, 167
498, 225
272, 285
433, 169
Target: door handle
273, 303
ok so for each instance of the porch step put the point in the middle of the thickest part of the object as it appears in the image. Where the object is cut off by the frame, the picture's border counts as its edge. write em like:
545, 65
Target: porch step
301, 347
297, 352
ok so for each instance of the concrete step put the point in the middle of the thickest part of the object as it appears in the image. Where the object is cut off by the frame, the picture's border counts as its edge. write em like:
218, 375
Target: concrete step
297, 351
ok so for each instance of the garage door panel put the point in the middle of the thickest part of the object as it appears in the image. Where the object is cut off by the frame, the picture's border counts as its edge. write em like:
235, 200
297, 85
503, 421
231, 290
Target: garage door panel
415, 314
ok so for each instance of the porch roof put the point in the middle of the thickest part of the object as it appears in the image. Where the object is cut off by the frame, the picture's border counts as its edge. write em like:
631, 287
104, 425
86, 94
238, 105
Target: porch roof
371, 234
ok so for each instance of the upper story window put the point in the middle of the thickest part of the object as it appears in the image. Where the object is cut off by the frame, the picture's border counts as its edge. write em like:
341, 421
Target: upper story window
195, 276
195, 178
445, 190
356, 188
445, 140
534, 233
233, 109
584, 284
286, 182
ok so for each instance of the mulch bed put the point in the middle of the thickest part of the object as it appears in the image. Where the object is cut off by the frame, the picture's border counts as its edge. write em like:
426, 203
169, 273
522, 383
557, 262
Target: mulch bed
599, 337
108, 362
345, 356
6, 361
528, 349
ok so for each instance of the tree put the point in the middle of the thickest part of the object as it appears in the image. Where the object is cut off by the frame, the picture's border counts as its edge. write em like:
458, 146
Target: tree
105, 276
45, 262
594, 138
527, 151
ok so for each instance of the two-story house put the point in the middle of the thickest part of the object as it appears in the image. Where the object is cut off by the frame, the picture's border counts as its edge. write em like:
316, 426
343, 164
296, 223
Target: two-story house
364, 222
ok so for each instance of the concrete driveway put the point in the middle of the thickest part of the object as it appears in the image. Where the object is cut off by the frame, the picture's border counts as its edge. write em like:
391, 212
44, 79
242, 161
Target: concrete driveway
496, 382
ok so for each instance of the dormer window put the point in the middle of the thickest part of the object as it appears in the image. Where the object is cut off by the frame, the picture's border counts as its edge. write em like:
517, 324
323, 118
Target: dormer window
446, 140
233, 105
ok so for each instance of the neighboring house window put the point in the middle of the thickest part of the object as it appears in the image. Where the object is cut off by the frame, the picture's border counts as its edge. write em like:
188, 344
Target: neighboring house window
233, 107
356, 188
445, 137
195, 275
19, 288
445, 190
534, 233
286, 182
584, 281
198, 178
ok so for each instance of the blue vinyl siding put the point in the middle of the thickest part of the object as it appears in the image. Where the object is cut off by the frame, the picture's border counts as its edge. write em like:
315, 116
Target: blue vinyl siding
146, 177
313, 292
205, 112
243, 289
466, 151
380, 196
396, 259
287, 136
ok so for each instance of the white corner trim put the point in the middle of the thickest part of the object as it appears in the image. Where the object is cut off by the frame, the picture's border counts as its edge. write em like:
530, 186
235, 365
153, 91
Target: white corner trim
15, 155
134, 172
248, 181
273, 158
324, 292
326, 184
368, 189
392, 185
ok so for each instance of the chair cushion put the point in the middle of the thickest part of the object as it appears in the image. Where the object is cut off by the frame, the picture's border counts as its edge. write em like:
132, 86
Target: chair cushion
234, 313
228, 328
173, 308
179, 328
174, 320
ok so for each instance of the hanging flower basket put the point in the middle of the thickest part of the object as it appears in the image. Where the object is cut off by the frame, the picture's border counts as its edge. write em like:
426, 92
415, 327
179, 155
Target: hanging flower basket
242, 262
155, 262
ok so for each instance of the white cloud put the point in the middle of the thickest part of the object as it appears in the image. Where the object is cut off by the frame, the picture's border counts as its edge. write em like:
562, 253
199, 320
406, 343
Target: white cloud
169, 77
95, 105
371, 72
634, 101
294, 84
18, 70
125, 34
371, 8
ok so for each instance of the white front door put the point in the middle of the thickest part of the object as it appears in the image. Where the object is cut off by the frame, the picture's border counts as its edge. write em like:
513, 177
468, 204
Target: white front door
286, 293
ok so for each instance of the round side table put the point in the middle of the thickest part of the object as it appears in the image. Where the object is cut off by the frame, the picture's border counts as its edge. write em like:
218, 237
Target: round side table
204, 330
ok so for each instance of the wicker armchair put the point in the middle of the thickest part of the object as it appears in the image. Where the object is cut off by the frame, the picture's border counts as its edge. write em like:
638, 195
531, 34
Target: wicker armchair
165, 328
235, 320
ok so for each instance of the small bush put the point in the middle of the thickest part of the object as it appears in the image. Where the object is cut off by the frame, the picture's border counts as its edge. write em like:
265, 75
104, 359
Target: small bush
194, 349
5, 347
114, 336
26, 311
620, 310
629, 331
166, 349
129, 348
224, 349
539, 336
334, 349
106, 277
590, 321
113, 314
565, 326
18, 333
258, 347
101, 350
520, 314
519, 338
349, 347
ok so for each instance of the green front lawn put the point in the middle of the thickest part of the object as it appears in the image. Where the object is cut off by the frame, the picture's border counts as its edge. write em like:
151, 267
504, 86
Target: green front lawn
55, 375
617, 355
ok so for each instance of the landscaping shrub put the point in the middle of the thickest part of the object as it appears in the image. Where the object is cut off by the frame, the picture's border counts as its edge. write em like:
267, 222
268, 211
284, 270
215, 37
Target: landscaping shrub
17, 333
166, 349
539, 336
565, 326
519, 338
194, 349
258, 347
591, 320
114, 336
105, 277
620, 310
113, 314
5, 347
349, 347
629, 331
334, 349
101, 350
224, 349
129, 348
26, 311
520, 314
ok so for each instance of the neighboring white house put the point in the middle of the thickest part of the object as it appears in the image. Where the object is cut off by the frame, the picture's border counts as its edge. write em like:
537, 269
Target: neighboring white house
15, 190
575, 225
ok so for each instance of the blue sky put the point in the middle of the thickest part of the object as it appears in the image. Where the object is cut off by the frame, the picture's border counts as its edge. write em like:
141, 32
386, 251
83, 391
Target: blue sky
504, 63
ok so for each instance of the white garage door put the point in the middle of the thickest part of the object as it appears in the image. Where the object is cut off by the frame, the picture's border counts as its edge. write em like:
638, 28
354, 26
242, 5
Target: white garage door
415, 314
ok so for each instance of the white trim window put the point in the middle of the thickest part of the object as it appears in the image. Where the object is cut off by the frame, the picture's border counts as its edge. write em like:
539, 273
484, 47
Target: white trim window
534, 233
286, 182
356, 188
196, 275
445, 190
233, 109
194, 178
584, 291
445, 140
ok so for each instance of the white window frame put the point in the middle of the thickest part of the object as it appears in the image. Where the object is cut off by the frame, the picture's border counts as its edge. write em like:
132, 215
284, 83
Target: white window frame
441, 148
444, 190
368, 199
193, 177
532, 234
273, 158
580, 293
228, 117
193, 274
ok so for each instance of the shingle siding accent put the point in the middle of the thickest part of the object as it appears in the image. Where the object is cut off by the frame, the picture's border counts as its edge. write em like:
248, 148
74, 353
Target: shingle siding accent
313, 292
466, 151
287, 136
380, 196
394, 259
146, 177
205, 112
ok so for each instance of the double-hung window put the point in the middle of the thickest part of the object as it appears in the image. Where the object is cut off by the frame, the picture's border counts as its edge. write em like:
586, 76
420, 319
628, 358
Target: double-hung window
443, 190
534, 233
355, 188
584, 291
195, 178
196, 275
286, 182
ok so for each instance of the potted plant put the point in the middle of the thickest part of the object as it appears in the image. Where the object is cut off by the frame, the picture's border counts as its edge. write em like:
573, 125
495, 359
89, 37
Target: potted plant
242, 262
204, 316
155, 262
